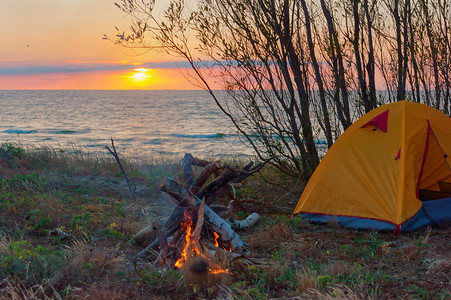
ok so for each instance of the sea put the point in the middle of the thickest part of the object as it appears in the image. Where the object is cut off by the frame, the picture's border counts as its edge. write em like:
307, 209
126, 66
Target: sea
156, 124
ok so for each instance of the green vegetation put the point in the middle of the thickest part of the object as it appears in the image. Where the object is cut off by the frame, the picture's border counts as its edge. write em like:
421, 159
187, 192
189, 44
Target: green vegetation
43, 191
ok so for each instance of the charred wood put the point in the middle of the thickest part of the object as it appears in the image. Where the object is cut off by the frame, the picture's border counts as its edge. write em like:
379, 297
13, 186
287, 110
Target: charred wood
222, 227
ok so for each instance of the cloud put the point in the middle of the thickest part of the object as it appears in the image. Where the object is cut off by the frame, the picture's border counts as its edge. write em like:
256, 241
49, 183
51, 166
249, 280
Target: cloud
24, 69
15, 67
167, 65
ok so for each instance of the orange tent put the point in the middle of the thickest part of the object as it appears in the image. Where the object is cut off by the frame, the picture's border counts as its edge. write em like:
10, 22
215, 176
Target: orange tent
386, 171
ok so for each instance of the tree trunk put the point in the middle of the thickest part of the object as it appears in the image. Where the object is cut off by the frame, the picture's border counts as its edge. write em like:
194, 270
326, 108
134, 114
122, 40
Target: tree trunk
343, 109
401, 91
319, 80
405, 45
358, 61
371, 64
433, 48
413, 57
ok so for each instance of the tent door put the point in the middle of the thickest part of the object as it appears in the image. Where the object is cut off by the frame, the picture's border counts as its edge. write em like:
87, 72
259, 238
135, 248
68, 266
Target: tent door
435, 181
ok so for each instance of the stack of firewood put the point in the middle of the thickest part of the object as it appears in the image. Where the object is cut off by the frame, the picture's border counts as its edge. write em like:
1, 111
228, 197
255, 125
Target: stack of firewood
197, 227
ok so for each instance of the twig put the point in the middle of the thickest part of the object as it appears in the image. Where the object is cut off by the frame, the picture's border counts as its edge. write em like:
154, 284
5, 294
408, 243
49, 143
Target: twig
258, 168
114, 153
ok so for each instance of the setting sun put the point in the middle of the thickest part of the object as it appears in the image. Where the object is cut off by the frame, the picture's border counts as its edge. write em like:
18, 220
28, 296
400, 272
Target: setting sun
140, 75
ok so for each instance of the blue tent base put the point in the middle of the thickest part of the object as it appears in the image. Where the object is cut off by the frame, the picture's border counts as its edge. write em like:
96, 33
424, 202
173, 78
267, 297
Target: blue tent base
432, 213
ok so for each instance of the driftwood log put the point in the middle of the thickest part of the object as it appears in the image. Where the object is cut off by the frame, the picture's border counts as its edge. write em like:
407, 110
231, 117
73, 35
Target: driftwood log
193, 202
248, 222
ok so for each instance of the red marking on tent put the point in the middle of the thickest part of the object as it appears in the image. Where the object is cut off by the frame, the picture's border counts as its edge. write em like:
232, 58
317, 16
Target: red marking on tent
425, 154
380, 121
398, 156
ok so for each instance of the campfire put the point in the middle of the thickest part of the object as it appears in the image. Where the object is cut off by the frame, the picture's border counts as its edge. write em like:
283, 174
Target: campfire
191, 252
196, 238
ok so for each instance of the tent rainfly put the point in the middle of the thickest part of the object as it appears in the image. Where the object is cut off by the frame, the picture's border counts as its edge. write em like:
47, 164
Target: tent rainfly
390, 170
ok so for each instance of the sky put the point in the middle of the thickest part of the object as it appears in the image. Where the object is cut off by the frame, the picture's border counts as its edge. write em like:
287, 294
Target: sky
57, 44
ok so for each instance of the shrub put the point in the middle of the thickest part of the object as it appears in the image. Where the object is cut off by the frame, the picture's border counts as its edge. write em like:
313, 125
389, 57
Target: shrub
10, 154
29, 263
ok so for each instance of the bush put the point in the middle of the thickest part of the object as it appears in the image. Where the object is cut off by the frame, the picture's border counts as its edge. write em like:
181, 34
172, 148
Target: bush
28, 263
10, 154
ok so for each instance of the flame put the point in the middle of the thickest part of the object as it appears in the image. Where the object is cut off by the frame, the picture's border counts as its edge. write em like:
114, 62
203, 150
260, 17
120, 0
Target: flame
179, 263
191, 247
218, 271
217, 244
216, 239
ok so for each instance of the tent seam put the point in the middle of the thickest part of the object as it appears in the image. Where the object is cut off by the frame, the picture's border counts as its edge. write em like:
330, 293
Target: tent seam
425, 154
402, 169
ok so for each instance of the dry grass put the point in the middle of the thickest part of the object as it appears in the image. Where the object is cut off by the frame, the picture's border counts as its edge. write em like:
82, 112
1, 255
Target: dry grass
271, 236
337, 268
17, 291
440, 265
4, 243
107, 291
305, 281
337, 292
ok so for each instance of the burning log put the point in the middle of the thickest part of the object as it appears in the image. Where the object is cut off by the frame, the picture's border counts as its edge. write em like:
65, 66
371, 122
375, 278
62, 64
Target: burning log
163, 243
200, 222
177, 191
187, 236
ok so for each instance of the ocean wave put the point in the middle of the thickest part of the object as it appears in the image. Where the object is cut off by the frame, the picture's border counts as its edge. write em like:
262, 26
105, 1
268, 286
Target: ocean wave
222, 135
66, 132
19, 131
200, 136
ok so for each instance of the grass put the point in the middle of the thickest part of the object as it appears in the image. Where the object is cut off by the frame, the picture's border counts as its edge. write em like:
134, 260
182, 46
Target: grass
43, 189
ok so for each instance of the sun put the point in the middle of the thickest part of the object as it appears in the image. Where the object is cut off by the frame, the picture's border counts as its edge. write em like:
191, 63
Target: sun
140, 75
